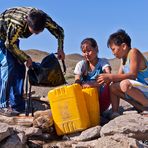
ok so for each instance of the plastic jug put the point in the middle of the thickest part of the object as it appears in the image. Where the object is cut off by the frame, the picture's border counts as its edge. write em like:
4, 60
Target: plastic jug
69, 109
91, 96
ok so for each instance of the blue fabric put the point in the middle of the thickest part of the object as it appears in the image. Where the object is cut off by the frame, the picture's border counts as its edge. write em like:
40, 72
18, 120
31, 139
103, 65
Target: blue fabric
12, 75
3, 75
142, 75
91, 76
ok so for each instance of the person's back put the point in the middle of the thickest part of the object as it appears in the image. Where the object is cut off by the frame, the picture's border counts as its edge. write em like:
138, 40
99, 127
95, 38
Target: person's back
142, 73
14, 18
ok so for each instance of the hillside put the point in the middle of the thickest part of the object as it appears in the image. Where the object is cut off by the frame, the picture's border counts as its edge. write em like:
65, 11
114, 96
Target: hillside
72, 59
36, 55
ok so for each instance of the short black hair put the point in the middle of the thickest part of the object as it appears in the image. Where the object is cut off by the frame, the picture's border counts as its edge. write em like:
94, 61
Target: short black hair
36, 19
91, 41
119, 37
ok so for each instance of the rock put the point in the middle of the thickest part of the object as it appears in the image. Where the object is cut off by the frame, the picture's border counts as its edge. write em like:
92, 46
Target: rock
12, 142
130, 112
117, 141
42, 113
60, 144
23, 120
5, 119
32, 131
87, 144
19, 128
17, 120
43, 120
91, 133
5, 131
71, 144
22, 137
35, 143
135, 126
41, 99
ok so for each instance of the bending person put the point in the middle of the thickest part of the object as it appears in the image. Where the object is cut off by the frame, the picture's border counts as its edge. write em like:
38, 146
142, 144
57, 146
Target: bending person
16, 23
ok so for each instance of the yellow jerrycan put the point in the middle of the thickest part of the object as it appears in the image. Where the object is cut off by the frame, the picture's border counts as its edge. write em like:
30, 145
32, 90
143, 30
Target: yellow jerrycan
91, 96
69, 109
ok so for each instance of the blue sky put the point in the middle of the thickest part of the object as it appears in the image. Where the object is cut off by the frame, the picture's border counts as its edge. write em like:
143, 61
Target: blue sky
83, 18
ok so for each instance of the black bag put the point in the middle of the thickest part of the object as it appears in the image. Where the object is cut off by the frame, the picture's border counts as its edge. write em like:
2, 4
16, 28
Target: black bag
46, 73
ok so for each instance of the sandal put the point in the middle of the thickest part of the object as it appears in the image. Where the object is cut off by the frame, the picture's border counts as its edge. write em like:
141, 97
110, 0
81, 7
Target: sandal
8, 112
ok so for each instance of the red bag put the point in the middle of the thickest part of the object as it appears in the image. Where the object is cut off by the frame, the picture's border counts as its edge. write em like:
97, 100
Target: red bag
104, 98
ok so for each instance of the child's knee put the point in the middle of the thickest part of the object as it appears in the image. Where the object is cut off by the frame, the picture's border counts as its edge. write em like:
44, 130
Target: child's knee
113, 87
125, 85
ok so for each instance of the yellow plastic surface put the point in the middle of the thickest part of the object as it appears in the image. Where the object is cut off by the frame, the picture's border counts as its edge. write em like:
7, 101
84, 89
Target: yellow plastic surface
91, 96
68, 109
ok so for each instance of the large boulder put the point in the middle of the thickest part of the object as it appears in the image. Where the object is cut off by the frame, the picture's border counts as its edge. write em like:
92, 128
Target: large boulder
132, 125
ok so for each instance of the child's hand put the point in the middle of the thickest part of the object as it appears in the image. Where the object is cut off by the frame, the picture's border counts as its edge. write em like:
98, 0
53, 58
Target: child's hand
29, 62
61, 54
88, 84
103, 79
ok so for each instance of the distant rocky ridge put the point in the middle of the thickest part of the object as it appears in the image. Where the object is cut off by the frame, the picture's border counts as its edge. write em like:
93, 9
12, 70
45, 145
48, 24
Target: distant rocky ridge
72, 59
37, 55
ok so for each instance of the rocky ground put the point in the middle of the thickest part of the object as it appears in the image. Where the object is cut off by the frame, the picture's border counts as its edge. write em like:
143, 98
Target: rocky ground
130, 130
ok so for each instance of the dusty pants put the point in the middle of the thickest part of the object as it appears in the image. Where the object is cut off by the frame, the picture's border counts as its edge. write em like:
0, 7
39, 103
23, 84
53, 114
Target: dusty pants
12, 75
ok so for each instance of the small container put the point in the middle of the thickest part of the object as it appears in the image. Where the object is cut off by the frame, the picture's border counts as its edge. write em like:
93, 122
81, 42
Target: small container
91, 96
69, 109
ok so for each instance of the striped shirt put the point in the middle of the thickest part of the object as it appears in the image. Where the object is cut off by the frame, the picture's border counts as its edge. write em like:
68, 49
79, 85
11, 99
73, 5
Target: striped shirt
13, 26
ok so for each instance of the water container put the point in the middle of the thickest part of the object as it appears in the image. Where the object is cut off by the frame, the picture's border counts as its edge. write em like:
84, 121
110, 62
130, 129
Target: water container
91, 96
68, 109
